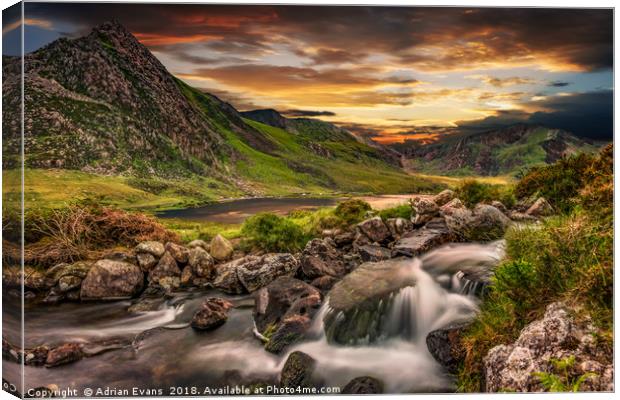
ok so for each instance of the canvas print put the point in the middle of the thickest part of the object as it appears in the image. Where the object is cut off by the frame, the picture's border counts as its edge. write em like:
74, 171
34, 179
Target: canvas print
204, 200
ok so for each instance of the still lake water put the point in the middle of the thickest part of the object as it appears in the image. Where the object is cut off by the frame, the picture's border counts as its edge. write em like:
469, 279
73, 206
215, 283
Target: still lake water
236, 211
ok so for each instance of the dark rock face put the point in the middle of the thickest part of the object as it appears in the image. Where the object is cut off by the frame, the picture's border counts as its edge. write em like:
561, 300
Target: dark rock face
64, 354
445, 345
320, 258
259, 272
212, 314
363, 385
283, 311
298, 370
374, 229
109, 279
557, 336
167, 267
374, 253
434, 234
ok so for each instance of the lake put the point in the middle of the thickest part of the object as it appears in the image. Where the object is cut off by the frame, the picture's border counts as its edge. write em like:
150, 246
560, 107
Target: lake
236, 211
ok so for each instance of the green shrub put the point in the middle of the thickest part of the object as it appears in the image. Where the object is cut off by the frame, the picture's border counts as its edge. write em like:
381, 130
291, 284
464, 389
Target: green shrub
560, 183
270, 232
472, 192
402, 211
352, 211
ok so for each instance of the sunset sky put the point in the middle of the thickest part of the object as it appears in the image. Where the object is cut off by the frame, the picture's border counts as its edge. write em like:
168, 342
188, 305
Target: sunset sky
394, 73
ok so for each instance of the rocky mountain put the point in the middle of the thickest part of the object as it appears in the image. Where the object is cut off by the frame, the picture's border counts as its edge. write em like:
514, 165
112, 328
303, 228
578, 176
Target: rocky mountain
104, 104
497, 152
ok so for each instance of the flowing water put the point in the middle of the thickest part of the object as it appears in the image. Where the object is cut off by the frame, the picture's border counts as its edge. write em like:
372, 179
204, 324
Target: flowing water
158, 350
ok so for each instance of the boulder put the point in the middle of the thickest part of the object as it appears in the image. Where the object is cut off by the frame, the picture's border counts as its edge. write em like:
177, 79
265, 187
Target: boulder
415, 243
221, 249
198, 243
226, 278
167, 267
320, 258
155, 248
146, 261
445, 345
483, 223
424, 210
444, 197
452, 204
187, 276
374, 229
344, 239
500, 206
68, 283
109, 279
120, 256
362, 297
212, 314
256, 273
398, 226
363, 385
178, 252
201, 262
372, 252
79, 269
557, 336
283, 311
64, 354
540, 208
324, 283
297, 371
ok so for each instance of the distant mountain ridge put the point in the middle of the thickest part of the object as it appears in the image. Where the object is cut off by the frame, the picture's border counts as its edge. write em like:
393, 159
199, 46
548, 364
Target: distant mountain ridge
497, 152
104, 104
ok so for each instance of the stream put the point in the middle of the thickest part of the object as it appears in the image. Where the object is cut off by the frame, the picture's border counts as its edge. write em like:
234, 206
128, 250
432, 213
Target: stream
160, 351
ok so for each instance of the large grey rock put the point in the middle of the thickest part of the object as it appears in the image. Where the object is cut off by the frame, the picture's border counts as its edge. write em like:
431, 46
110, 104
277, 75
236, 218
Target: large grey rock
226, 278
434, 234
146, 261
201, 262
556, 336
359, 300
212, 314
374, 229
483, 223
254, 274
109, 279
155, 248
283, 311
220, 248
167, 267
320, 258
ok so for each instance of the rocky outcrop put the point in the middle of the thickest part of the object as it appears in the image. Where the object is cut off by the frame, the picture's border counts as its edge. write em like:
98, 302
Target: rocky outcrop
212, 314
64, 354
178, 252
399, 226
166, 270
297, 371
363, 385
419, 241
374, 229
155, 248
370, 252
283, 311
444, 197
226, 278
108, 280
555, 337
221, 249
260, 271
320, 258
424, 210
483, 223
201, 262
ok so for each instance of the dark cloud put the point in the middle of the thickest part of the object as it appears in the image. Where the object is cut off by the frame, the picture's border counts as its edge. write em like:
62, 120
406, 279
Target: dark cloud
579, 37
558, 84
589, 115
308, 113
